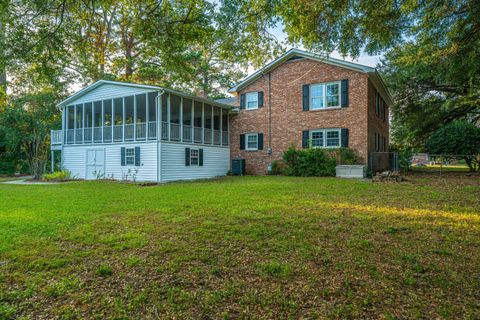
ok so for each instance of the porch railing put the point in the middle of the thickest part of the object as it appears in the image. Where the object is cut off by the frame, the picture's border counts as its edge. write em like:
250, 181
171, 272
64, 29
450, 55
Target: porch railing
87, 135
187, 133
118, 133
164, 130
225, 138
78, 136
56, 137
175, 131
97, 134
141, 131
197, 134
207, 136
216, 137
70, 136
152, 130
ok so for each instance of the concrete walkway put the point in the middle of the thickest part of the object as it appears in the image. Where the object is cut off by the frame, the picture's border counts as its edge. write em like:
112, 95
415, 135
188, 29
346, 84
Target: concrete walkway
26, 182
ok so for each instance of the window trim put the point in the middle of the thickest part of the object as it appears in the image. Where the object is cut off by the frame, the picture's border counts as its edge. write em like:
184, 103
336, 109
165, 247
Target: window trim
324, 132
250, 94
129, 156
196, 157
247, 135
324, 95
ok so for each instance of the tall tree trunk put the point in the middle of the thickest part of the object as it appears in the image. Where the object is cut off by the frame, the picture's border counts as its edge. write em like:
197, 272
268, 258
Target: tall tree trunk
3, 73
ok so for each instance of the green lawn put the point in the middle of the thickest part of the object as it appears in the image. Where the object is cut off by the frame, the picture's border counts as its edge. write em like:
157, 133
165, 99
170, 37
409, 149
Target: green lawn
242, 247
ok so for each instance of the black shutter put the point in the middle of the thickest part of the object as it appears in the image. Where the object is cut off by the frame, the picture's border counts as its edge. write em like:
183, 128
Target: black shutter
137, 156
242, 142
305, 135
187, 157
344, 90
122, 156
306, 97
260, 141
260, 99
242, 101
345, 138
200, 157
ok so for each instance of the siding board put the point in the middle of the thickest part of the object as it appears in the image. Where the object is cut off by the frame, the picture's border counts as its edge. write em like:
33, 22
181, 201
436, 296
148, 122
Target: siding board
216, 162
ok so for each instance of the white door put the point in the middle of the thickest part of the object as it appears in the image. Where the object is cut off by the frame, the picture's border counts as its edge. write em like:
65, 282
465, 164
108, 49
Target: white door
95, 163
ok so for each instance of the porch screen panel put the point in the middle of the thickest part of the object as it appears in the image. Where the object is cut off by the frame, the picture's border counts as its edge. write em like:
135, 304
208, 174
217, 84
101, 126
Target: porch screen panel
107, 120
97, 121
152, 115
71, 117
87, 133
208, 119
197, 122
129, 117
118, 119
187, 120
79, 124
175, 117
141, 111
164, 113
97, 114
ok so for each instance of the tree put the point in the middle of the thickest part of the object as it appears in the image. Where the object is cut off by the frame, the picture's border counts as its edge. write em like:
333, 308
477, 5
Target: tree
458, 139
25, 126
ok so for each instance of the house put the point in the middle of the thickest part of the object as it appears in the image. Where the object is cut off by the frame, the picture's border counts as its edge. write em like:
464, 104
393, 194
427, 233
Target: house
128, 131
149, 133
307, 100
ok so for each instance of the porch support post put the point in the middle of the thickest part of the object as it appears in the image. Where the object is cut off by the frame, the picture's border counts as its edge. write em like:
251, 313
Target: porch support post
181, 119
192, 118
52, 159
221, 126
203, 123
168, 117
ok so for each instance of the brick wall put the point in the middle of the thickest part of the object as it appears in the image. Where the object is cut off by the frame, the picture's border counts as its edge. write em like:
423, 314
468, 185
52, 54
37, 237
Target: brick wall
287, 118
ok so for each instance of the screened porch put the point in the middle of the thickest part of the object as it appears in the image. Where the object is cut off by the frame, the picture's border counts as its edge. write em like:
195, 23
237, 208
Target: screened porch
134, 118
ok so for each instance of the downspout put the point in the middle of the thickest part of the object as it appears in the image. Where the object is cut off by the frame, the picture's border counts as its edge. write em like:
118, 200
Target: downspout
158, 108
269, 151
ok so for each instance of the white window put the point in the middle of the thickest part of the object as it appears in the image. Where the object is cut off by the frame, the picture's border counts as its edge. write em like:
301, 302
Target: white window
333, 138
251, 100
251, 140
317, 138
325, 138
316, 96
129, 156
325, 95
194, 157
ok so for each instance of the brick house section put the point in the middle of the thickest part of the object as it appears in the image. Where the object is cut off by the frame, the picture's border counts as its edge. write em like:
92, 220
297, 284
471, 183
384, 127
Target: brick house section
287, 118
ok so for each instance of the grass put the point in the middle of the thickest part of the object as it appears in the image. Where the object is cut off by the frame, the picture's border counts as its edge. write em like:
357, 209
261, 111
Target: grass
242, 247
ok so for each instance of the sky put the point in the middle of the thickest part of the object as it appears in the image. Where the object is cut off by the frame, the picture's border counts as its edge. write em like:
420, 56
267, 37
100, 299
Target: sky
365, 59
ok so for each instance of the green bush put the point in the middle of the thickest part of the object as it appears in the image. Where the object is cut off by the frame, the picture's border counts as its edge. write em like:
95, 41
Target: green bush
345, 156
278, 167
457, 140
309, 162
63, 175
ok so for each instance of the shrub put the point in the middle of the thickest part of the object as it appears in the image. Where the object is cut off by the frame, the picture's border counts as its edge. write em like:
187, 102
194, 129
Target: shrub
278, 167
309, 162
345, 156
63, 175
457, 140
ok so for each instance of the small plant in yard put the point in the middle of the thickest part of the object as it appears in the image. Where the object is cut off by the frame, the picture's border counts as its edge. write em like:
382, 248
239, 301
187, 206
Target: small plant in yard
104, 271
63, 175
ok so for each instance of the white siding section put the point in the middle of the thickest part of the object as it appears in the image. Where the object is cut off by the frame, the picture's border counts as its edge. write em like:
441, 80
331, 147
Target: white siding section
108, 91
216, 162
74, 160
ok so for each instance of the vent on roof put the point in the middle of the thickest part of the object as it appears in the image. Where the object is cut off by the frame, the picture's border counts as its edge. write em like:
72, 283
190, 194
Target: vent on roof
295, 58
